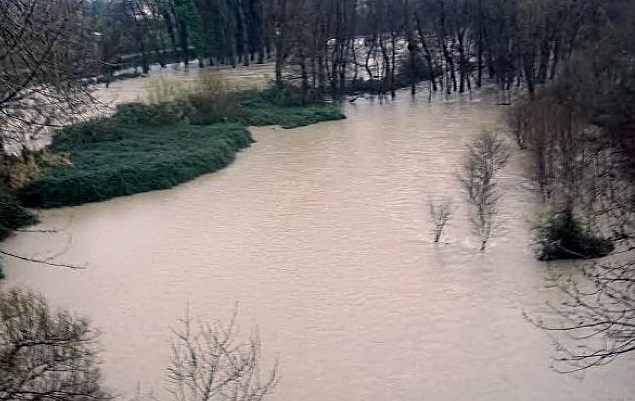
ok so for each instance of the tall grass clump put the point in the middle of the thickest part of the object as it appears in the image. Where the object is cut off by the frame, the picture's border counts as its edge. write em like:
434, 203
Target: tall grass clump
563, 236
203, 101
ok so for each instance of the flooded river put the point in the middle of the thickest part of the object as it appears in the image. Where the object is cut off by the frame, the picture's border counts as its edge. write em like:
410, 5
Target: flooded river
321, 235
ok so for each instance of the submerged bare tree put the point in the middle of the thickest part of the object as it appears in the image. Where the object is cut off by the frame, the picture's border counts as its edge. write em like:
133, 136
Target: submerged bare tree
209, 363
486, 155
440, 214
43, 48
45, 354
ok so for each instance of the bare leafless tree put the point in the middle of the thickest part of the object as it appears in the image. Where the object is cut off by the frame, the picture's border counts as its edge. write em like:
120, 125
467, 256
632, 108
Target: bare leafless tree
440, 214
45, 354
584, 148
43, 47
595, 321
209, 363
486, 155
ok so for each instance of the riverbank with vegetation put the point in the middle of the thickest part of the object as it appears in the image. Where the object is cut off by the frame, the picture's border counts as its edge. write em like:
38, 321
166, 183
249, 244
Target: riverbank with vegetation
180, 135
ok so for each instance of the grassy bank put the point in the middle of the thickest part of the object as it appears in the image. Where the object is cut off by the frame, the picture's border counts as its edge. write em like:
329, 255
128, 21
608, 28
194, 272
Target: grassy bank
109, 159
285, 107
177, 137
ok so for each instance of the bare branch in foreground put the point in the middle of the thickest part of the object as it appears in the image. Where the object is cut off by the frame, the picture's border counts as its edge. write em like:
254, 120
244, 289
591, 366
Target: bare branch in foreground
209, 363
45, 354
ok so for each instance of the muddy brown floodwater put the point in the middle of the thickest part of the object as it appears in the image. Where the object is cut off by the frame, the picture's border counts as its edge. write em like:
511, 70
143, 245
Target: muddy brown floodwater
322, 236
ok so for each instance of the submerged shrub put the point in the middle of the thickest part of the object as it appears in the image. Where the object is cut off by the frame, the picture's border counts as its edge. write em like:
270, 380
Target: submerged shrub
286, 106
563, 236
419, 70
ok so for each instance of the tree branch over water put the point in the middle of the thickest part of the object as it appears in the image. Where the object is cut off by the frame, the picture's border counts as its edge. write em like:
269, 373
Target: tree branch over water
42, 261
595, 321
44, 46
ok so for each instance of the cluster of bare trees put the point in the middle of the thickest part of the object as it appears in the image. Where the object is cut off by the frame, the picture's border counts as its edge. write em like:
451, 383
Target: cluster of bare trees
349, 46
455, 44
485, 156
51, 355
579, 131
325, 46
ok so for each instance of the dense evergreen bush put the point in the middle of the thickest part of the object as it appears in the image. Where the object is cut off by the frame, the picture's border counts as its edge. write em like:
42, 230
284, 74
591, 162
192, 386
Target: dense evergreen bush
13, 215
420, 71
291, 117
563, 236
132, 159
285, 96
287, 107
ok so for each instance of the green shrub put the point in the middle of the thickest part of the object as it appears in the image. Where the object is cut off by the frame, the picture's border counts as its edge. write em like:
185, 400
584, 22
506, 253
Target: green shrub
282, 106
12, 215
563, 236
291, 117
420, 71
150, 114
134, 159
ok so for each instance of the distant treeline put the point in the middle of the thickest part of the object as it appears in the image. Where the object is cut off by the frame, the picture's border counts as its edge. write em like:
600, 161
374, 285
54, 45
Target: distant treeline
343, 46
